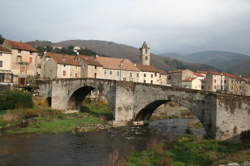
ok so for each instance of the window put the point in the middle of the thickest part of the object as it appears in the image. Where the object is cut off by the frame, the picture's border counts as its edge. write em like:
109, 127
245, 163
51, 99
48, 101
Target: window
146, 57
95, 75
145, 75
95, 67
1, 63
152, 75
1, 53
19, 51
118, 73
131, 75
19, 59
64, 73
110, 72
30, 59
105, 72
151, 81
30, 52
214, 80
144, 81
64, 65
124, 79
76, 75
155, 74
225, 81
137, 74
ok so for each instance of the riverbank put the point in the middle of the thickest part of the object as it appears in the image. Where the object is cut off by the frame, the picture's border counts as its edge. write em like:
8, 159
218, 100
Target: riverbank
191, 151
41, 119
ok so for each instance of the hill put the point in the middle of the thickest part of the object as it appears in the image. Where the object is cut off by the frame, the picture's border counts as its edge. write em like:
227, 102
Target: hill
124, 51
226, 61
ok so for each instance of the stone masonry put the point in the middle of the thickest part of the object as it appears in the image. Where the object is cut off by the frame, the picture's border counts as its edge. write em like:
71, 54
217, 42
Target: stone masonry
223, 116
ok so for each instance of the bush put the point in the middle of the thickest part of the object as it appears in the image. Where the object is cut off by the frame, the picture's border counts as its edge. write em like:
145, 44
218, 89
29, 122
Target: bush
15, 99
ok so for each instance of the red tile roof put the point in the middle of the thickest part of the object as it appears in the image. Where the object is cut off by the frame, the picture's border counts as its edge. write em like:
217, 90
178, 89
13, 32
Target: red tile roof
149, 68
90, 60
19, 45
199, 75
228, 75
116, 63
3, 49
175, 71
189, 79
64, 59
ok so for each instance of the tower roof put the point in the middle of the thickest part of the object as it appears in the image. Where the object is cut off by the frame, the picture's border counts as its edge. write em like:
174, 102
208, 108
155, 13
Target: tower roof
145, 45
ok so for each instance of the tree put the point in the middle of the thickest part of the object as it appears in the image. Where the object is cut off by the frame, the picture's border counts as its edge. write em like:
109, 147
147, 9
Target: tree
1, 39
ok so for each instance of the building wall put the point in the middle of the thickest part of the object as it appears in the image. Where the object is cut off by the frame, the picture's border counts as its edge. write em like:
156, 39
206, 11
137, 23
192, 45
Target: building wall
50, 69
94, 71
63, 71
176, 78
26, 57
122, 75
6, 61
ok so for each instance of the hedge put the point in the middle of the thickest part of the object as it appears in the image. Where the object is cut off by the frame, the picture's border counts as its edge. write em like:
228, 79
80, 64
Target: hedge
15, 99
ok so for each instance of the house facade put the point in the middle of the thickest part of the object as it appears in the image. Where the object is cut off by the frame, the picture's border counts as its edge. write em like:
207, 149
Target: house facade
119, 69
226, 83
23, 61
176, 77
6, 75
61, 66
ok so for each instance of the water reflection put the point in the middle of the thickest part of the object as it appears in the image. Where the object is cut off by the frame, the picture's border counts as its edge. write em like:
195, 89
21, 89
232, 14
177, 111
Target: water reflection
104, 148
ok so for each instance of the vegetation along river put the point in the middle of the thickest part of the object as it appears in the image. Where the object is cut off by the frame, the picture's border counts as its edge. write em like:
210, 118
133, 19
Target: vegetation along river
101, 148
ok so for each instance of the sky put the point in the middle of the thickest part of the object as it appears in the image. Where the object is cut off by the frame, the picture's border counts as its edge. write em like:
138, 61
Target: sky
182, 26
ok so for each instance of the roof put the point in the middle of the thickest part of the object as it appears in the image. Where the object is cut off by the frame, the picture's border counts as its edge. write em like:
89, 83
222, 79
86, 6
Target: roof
144, 45
202, 72
189, 79
64, 59
199, 75
116, 63
228, 75
3, 49
19, 45
149, 68
90, 60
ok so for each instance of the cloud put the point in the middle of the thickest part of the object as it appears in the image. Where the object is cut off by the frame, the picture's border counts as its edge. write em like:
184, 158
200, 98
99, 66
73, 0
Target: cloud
168, 25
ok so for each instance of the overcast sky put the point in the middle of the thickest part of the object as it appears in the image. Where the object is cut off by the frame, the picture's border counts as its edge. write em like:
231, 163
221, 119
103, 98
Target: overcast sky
182, 26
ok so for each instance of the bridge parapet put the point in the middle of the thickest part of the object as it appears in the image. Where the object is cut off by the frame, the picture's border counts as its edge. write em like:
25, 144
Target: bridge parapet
223, 116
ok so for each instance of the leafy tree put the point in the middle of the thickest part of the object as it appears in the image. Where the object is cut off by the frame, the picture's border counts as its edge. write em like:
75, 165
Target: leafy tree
1, 39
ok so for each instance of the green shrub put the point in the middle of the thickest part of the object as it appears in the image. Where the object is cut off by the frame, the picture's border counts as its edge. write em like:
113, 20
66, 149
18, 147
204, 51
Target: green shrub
15, 99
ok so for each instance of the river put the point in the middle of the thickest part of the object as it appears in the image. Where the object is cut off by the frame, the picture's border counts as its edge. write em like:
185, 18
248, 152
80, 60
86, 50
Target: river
102, 148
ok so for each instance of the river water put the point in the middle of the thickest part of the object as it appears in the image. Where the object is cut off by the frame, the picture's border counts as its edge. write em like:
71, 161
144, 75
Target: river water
102, 148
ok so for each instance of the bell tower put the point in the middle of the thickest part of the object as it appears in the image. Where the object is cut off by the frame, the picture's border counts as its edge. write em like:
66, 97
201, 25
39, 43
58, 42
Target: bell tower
145, 54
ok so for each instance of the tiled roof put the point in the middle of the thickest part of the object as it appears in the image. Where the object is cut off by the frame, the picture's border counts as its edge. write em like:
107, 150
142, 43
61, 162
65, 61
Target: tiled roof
90, 60
198, 75
19, 45
202, 72
64, 59
189, 79
175, 71
149, 68
228, 75
3, 49
116, 63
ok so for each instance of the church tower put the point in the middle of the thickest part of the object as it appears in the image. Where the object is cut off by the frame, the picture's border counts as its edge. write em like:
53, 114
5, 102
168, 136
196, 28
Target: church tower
145, 54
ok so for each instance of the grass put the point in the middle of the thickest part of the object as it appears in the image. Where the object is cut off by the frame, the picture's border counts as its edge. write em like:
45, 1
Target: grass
41, 119
191, 151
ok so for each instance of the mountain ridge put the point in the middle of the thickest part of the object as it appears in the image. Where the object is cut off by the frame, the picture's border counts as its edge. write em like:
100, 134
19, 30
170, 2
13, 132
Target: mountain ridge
116, 50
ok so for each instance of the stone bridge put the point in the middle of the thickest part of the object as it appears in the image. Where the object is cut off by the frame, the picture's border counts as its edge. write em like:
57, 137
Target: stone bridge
223, 116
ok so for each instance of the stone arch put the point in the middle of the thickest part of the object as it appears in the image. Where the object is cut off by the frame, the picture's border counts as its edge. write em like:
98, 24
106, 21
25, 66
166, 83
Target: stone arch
147, 110
75, 99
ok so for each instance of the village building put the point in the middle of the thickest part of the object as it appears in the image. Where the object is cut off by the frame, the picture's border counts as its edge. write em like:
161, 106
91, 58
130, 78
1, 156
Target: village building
23, 61
119, 69
148, 73
6, 75
176, 77
225, 83
194, 82
91, 68
61, 66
